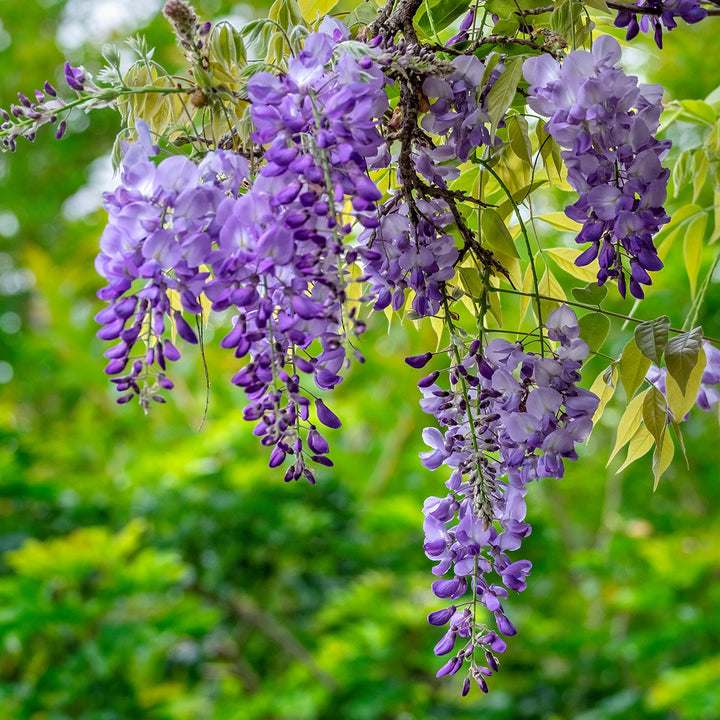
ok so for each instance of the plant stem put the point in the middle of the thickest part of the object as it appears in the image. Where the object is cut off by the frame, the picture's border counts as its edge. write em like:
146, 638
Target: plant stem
594, 308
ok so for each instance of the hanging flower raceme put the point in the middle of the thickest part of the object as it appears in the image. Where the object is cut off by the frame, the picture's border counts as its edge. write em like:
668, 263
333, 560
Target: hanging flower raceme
459, 115
688, 10
274, 252
159, 236
607, 122
509, 417
413, 249
400, 255
282, 254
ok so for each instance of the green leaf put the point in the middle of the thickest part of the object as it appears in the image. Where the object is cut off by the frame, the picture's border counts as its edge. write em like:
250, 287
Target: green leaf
716, 230
594, 328
699, 109
639, 445
363, 14
591, 294
550, 287
600, 5
564, 258
503, 91
519, 139
681, 355
655, 414
652, 337
681, 401
629, 423
693, 243
662, 458
678, 432
471, 281
633, 367
550, 153
680, 171
604, 387
713, 99
495, 233
443, 12
698, 172
560, 221
507, 207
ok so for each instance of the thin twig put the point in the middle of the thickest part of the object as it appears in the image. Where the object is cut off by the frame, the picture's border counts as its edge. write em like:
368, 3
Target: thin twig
594, 308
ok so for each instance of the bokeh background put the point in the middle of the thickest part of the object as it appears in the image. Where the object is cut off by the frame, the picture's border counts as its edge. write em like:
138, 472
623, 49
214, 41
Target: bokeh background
149, 569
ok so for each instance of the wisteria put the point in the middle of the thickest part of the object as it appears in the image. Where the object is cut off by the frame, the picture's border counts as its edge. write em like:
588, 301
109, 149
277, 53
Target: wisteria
510, 416
667, 10
160, 233
276, 251
607, 121
413, 247
355, 169
44, 108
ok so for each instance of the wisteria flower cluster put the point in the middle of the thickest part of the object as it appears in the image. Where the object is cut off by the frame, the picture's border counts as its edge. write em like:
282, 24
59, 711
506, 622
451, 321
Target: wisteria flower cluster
276, 250
667, 10
607, 121
342, 184
25, 119
509, 417
413, 247
159, 235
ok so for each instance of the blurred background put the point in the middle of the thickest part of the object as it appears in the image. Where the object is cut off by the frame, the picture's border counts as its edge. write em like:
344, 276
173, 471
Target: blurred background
151, 570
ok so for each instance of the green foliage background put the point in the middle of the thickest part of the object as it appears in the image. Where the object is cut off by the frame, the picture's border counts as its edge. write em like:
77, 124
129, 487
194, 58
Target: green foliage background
153, 570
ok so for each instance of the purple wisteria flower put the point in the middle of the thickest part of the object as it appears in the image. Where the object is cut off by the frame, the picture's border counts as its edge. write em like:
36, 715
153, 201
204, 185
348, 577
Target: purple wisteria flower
508, 417
401, 255
24, 119
607, 123
158, 239
412, 248
274, 254
688, 10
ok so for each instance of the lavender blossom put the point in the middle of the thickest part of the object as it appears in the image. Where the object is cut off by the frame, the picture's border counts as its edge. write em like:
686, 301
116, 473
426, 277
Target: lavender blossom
25, 119
159, 234
689, 10
607, 122
509, 417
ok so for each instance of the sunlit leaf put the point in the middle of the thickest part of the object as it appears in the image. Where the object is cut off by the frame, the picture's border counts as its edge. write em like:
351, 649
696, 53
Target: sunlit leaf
519, 140
655, 414
693, 243
681, 355
312, 8
550, 287
662, 457
633, 366
699, 109
629, 423
564, 258
639, 445
681, 401
495, 233
503, 91
604, 387
560, 221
